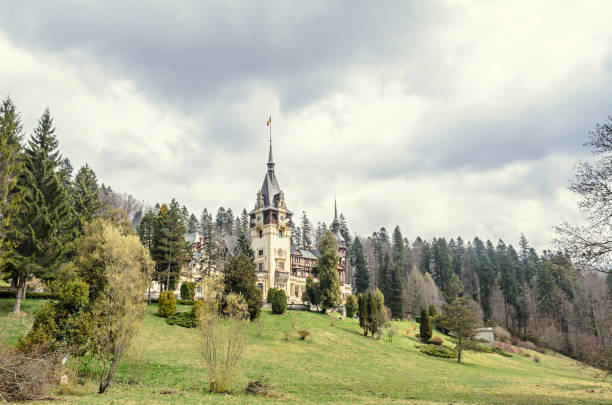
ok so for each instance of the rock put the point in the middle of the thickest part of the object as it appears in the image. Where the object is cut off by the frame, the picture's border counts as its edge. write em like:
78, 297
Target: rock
340, 317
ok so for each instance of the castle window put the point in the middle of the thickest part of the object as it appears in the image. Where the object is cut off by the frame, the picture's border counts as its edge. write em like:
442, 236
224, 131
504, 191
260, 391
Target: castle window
260, 267
297, 291
281, 266
280, 234
261, 234
260, 252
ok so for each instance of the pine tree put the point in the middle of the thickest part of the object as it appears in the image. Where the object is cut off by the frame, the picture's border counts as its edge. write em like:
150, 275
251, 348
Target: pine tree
11, 165
86, 196
44, 221
362, 277
306, 231
395, 301
146, 230
239, 277
192, 224
328, 272
243, 247
461, 321
399, 251
486, 277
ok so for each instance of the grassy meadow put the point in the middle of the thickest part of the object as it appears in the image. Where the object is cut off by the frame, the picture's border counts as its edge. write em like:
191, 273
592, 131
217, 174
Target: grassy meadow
335, 364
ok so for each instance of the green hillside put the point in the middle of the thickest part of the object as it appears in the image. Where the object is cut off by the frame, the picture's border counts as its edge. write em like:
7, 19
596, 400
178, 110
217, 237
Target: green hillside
336, 364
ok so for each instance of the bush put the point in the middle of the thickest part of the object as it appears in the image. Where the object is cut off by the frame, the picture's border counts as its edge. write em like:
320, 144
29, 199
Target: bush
351, 306
540, 350
199, 308
536, 359
303, 334
279, 302
184, 319
527, 345
259, 386
167, 304
270, 295
188, 290
436, 340
439, 351
500, 351
501, 334
185, 302
236, 307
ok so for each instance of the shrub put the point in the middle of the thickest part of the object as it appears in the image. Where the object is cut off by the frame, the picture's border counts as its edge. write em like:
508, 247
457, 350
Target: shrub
436, 340
432, 311
540, 350
390, 331
372, 313
184, 319
279, 302
501, 334
185, 302
270, 295
303, 334
240, 277
439, 351
527, 345
498, 350
29, 294
425, 331
199, 308
188, 290
351, 306
167, 304
536, 359
236, 307
259, 386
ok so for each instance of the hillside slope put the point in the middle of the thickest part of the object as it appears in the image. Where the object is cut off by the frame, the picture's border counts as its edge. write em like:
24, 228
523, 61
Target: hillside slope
336, 364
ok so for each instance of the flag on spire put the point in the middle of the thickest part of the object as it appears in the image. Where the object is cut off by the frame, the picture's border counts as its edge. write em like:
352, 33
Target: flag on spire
268, 123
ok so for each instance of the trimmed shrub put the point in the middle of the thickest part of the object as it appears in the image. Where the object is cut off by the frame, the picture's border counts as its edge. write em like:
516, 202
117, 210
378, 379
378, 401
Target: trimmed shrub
351, 306
436, 340
279, 302
425, 331
536, 359
438, 351
270, 295
188, 290
185, 302
198, 309
184, 319
167, 304
303, 334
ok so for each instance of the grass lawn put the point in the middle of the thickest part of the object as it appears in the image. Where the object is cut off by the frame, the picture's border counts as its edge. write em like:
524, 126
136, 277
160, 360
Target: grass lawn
336, 364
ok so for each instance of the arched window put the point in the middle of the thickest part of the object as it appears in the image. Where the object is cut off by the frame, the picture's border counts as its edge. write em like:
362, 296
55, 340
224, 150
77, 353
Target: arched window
260, 286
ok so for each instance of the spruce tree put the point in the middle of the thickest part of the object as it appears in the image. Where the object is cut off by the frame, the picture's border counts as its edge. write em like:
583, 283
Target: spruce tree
461, 321
328, 272
192, 224
399, 250
243, 247
11, 165
86, 196
170, 247
43, 225
362, 277
395, 301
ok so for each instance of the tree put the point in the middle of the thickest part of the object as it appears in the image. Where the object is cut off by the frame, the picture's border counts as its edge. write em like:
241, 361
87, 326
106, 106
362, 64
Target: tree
432, 311
243, 247
328, 272
395, 301
239, 277
372, 312
312, 292
590, 245
461, 321
362, 277
344, 231
170, 248
425, 329
192, 224
399, 251
11, 166
279, 301
454, 288
351, 306
306, 230
42, 227
188, 290
86, 196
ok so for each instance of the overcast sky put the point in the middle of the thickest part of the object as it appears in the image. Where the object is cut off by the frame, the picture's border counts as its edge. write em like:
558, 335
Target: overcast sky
447, 118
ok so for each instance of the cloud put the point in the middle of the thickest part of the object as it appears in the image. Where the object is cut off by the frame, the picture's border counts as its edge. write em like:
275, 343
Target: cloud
449, 118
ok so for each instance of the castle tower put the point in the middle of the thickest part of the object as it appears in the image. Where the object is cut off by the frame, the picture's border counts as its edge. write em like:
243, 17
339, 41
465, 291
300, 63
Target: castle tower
335, 227
270, 224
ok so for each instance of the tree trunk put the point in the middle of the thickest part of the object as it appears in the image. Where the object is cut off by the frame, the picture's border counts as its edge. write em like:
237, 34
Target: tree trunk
25, 289
18, 294
459, 351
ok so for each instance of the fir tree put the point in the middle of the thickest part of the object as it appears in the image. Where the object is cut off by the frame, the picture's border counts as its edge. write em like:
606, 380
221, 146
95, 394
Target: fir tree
306, 231
170, 247
86, 196
328, 272
399, 251
362, 277
11, 165
395, 301
425, 329
461, 321
344, 231
244, 248
43, 223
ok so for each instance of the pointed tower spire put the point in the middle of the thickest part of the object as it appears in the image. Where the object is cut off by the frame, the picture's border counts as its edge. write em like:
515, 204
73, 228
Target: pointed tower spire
270, 159
335, 210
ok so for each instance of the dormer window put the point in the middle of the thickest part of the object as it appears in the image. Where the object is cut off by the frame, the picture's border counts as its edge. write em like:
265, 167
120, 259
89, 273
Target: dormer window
280, 234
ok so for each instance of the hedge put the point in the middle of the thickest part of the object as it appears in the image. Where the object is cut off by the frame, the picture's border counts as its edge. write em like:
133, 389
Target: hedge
30, 294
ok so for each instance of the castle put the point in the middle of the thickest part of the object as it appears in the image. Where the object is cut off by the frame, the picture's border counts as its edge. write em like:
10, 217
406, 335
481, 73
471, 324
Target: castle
278, 263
